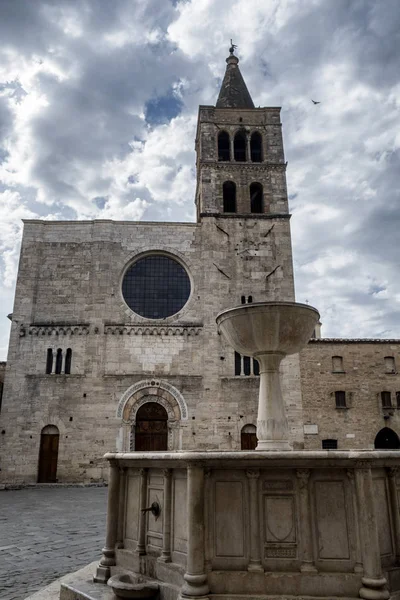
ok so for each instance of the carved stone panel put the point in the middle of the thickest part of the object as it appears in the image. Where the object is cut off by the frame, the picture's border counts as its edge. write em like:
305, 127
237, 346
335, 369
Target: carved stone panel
332, 521
179, 516
229, 529
279, 519
132, 508
383, 516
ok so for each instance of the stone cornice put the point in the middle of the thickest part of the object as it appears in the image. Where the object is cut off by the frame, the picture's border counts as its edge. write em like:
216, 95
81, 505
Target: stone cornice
246, 215
49, 329
353, 341
162, 330
244, 166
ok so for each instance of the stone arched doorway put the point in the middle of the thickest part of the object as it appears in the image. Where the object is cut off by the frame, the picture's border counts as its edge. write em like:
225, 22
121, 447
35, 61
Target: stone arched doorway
151, 428
387, 439
48, 454
151, 391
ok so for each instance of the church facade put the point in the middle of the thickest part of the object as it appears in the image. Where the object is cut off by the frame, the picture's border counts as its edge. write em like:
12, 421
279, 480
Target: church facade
114, 342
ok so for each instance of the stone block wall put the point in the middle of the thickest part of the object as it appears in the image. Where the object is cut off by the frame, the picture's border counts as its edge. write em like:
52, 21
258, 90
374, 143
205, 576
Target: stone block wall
364, 375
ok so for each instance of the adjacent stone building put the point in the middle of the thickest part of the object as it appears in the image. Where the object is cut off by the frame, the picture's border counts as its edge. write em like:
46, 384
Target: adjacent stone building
114, 342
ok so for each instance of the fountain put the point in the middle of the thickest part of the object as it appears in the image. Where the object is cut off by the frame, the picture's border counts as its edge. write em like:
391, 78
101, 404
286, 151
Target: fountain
269, 331
274, 522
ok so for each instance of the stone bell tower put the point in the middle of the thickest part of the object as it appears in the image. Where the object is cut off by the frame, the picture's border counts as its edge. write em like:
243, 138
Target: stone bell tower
240, 160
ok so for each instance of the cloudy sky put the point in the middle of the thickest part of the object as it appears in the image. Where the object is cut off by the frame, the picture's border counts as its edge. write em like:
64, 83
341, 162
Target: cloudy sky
98, 107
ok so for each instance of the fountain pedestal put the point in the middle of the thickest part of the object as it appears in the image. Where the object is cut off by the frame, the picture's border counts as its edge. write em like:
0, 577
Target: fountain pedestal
269, 331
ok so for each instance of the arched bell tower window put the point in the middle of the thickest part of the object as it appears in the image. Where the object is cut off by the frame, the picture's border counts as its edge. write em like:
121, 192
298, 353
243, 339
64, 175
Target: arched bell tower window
256, 147
229, 196
58, 361
224, 152
239, 146
256, 198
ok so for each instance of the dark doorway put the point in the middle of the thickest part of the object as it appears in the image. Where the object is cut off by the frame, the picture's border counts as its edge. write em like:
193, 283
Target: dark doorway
387, 439
248, 437
48, 454
151, 430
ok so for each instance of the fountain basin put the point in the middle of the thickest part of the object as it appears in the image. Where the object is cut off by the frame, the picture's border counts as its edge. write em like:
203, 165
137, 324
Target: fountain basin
282, 327
269, 331
127, 585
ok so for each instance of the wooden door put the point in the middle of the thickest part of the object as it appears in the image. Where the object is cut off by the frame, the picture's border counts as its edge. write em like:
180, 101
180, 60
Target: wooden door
48, 456
248, 441
151, 430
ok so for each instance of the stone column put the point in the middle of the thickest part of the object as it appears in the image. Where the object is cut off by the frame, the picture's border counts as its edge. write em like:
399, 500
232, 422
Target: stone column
141, 545
108, 559
255, 555
272, 425
394, 503
121, 510
195, 584
306, 546
166, 550
358, 568
374, 583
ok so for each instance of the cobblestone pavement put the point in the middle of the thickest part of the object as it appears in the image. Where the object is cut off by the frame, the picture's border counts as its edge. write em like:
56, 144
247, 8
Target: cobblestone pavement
47, 532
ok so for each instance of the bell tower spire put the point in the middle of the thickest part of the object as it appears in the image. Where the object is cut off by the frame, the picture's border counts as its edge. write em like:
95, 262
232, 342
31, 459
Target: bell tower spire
233, 93
240, 159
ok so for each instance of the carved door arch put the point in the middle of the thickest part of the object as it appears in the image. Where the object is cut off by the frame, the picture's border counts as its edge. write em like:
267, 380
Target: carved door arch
151, 428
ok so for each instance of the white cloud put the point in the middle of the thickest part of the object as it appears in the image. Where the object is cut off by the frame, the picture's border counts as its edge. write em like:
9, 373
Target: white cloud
75, 80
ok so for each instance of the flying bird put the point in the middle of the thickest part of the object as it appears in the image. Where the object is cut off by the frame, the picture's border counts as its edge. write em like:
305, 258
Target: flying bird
315, 102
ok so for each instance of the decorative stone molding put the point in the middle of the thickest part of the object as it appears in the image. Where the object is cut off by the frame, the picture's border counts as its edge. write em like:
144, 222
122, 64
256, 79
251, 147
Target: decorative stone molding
353, 341
158, 390
44, 329
162, 330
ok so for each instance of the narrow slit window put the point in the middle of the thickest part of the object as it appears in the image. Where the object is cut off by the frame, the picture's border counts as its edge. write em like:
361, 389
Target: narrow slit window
229, 197
68, 361
246, 365
239, 145
250, 299
340, 399
256, 198
49, 361
224, 152
256, 147
386, 398
58, 361
243, 299
238, 364
256, 367
398, 399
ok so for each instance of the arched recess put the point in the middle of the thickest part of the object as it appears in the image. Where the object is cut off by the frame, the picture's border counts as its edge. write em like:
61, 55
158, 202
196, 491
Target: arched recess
224, 146
256, 147
229, 196
48, 454
387, 439
256, 198
239, 146
248, 437
141, 393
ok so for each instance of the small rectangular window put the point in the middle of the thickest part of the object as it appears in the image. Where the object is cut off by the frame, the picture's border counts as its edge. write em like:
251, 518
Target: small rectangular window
246, 365
398, 399
329, 444
390, 366
337, 364
256, 367
340, 399
386, 398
